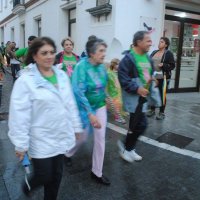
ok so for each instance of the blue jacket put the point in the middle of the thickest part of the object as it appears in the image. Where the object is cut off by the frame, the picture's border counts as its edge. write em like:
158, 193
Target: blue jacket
130, 82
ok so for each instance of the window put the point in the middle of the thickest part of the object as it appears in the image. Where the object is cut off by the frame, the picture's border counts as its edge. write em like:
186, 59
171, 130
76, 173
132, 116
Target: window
22, 35
102, 2
2, 34
12, 37
1, 5
39, 27
72, 22
6, 4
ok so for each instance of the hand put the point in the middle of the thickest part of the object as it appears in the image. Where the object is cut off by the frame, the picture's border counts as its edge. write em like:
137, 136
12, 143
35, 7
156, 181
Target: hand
142, 91
160, 65
156, 83
150, 80
78, 136
94, 121
20, 155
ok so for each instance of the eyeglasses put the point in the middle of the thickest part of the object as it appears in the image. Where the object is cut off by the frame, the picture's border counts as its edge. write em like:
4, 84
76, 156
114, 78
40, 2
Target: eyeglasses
44, 53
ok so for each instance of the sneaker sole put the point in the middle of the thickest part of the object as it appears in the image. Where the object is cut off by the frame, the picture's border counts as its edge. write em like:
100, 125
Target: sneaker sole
125, 159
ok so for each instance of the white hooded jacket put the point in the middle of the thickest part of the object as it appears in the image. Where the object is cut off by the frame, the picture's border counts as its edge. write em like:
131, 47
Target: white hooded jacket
43, 119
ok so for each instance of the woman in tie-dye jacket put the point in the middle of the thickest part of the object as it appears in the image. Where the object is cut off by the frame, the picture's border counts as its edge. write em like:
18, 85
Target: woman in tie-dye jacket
89, 84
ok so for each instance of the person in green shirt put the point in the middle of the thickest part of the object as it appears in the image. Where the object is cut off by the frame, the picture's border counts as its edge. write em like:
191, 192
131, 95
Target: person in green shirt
135, 75
22, 52
114, 92
43, 118
67, 59
89, 82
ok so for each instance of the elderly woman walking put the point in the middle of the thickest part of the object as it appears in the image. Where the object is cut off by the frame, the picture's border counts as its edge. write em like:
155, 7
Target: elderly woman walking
89, 83
43, 117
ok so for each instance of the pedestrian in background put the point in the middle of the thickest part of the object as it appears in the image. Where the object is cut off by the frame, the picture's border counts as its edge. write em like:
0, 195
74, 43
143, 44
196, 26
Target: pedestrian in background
89, 83
67, 59
164, 63
43, 117
7, 50
114, 92
2, 72
22, 52
14, 63
2, 49
135, 75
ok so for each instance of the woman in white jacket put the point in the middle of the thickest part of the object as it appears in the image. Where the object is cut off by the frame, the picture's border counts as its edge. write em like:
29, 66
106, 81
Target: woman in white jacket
43, 117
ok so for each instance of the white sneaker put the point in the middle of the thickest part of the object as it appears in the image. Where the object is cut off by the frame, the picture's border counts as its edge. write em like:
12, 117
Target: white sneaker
120, 145
123, 121
127, 156
135, 156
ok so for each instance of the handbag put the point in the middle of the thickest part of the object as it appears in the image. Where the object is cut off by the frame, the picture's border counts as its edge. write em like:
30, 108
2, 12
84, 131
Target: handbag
154, 98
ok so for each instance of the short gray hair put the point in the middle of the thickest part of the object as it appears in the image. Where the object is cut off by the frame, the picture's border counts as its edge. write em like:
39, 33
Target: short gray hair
139, 36
92, 45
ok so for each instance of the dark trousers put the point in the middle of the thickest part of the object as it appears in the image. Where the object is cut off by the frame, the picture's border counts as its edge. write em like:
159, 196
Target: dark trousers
47, 173
135, 131
14, 69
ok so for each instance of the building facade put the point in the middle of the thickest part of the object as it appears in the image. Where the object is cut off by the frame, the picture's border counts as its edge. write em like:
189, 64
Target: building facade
115, 21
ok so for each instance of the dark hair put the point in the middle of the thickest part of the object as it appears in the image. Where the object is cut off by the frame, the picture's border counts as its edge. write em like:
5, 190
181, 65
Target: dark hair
31, 38
35, 46
91, 45
139, 36
166, 40
92, 37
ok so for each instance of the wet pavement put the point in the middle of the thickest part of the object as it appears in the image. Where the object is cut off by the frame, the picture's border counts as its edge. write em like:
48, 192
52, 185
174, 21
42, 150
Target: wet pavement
161, 175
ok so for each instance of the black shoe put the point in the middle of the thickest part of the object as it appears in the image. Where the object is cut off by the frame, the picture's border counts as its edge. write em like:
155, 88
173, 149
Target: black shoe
103, 180
68, 161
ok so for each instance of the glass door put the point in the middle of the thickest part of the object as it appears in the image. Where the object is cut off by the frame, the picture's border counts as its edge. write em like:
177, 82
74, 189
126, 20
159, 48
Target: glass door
172, 31
190, 56
183, 30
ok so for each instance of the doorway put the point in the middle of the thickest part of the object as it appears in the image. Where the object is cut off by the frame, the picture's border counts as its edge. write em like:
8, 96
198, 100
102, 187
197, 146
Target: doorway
184, 34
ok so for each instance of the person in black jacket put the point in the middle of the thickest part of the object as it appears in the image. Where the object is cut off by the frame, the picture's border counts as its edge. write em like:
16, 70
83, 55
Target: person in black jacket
164, 63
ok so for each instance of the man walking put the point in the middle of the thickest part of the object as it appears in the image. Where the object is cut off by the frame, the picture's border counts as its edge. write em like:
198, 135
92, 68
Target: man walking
135, 74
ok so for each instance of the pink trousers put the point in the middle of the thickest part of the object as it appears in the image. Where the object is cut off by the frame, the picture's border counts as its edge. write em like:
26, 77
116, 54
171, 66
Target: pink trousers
99, 142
